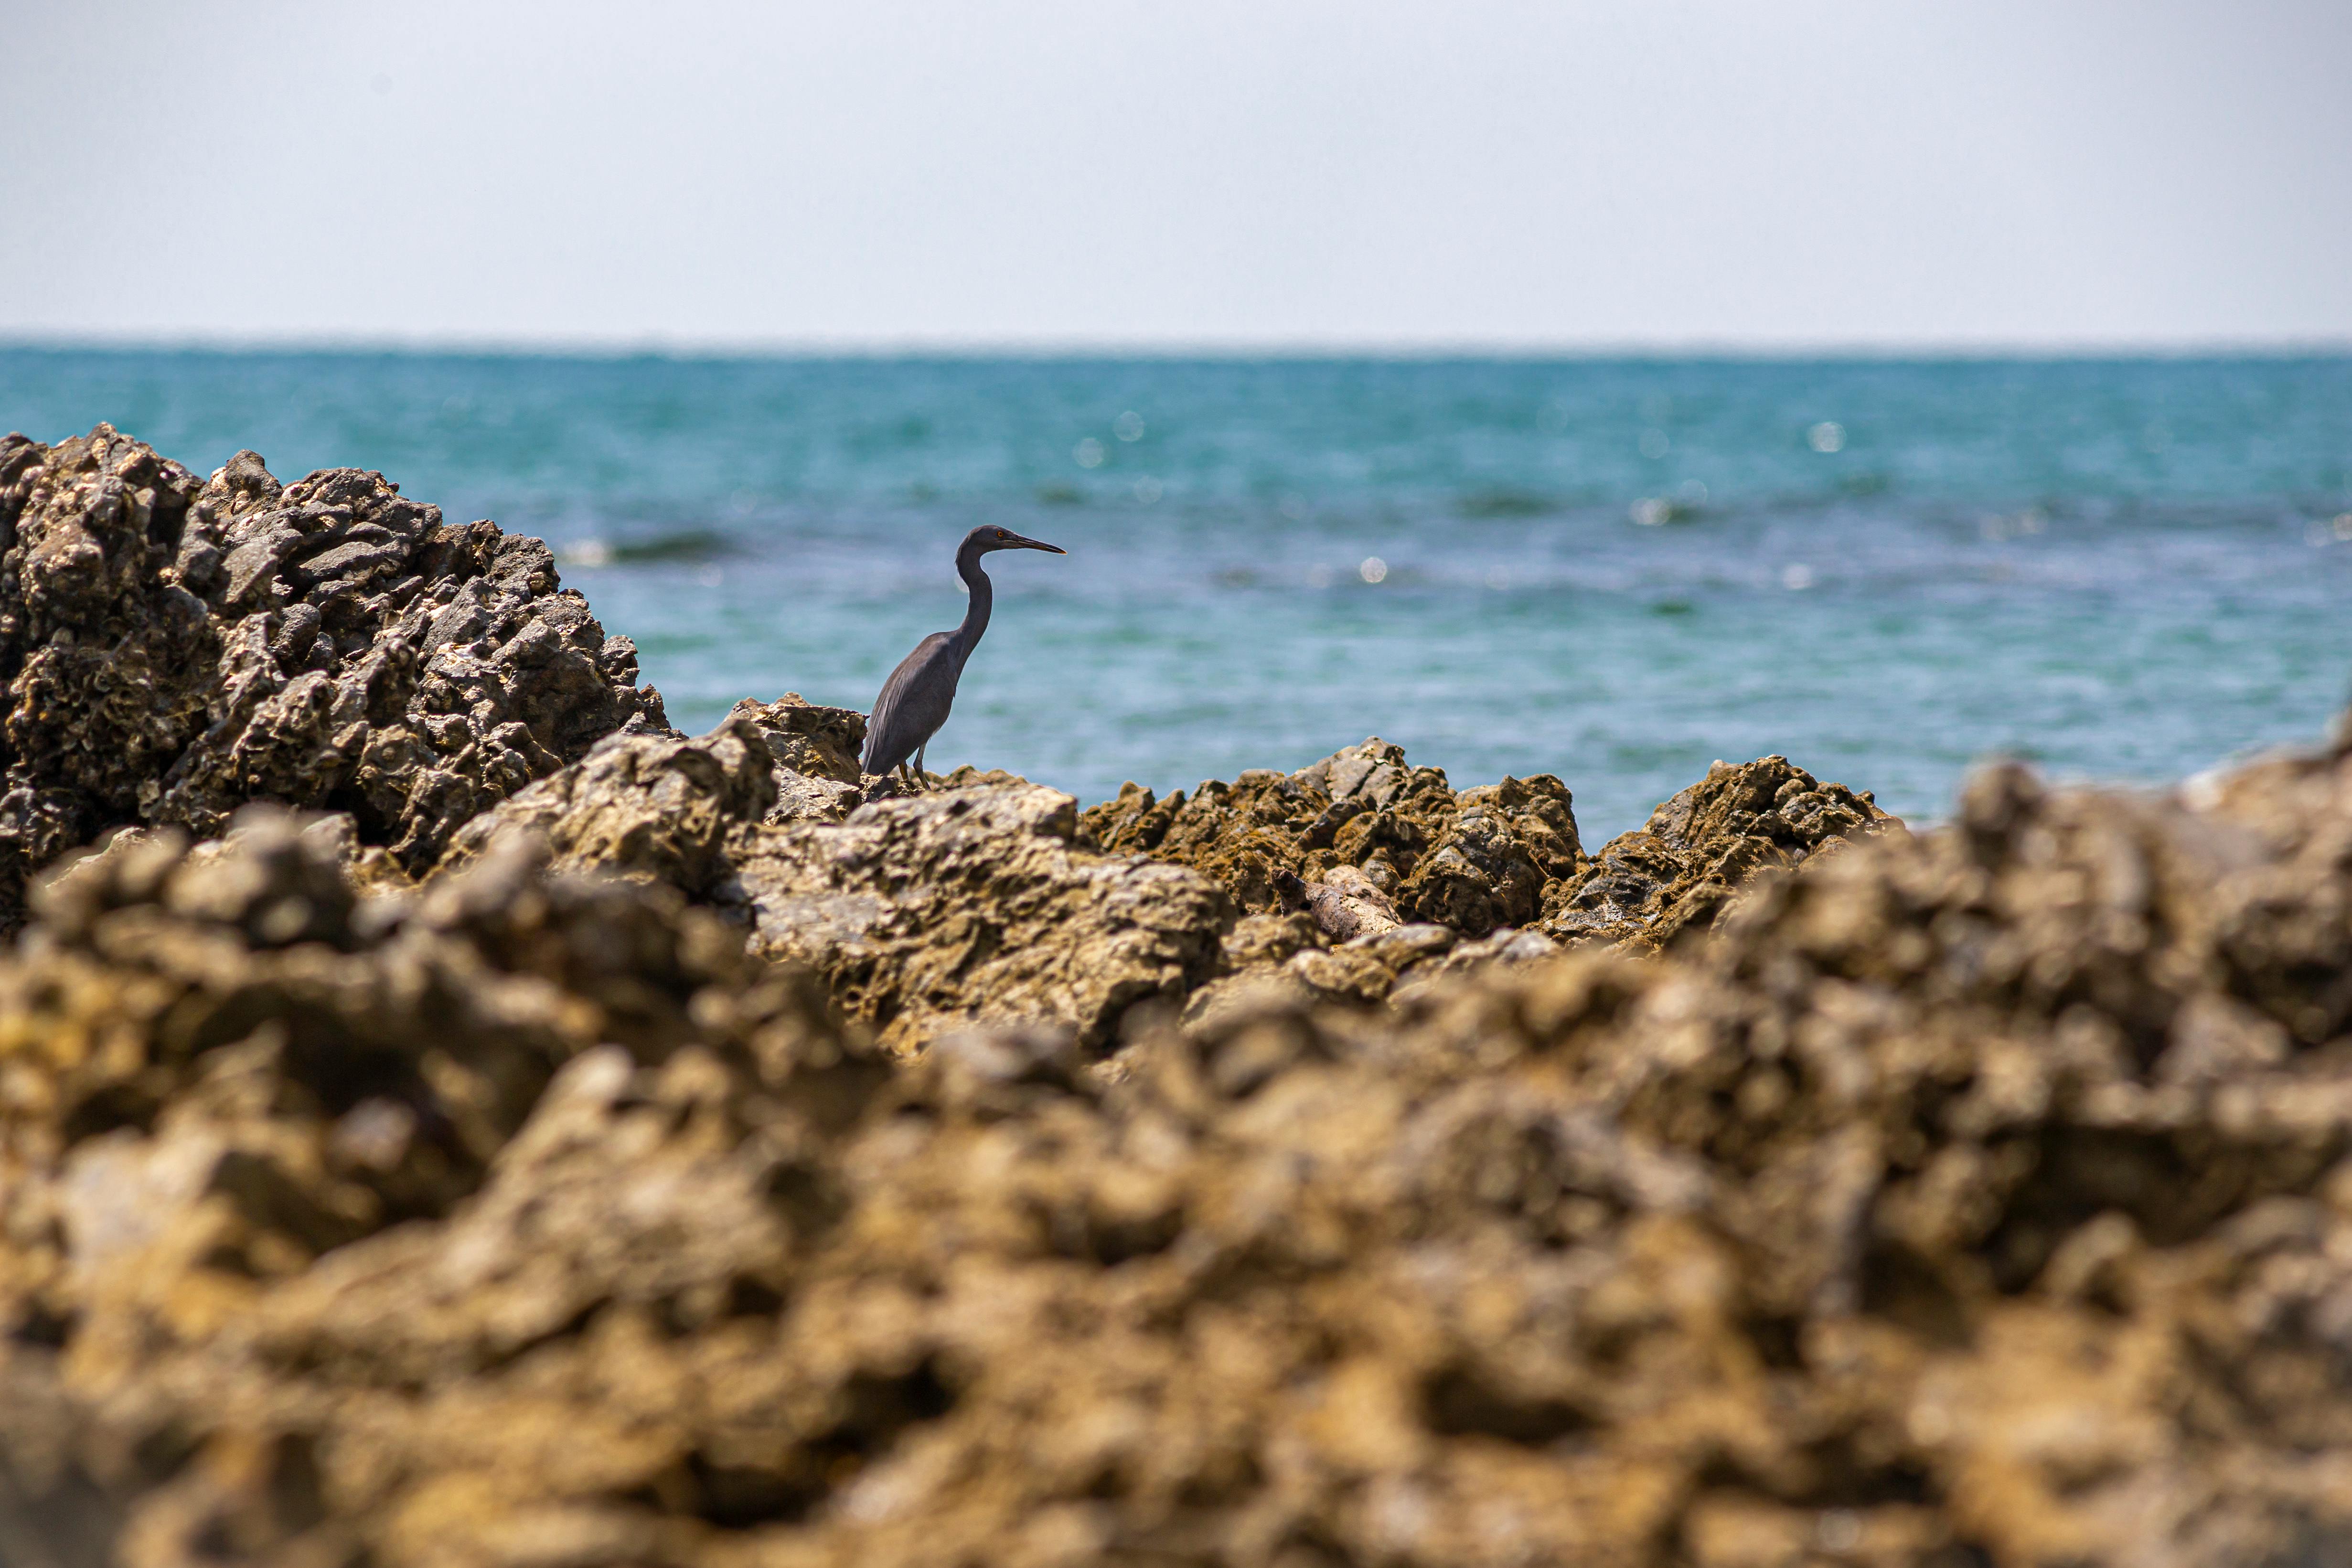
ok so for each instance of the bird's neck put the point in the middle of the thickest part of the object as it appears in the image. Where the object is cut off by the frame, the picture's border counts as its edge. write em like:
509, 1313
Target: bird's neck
982, 600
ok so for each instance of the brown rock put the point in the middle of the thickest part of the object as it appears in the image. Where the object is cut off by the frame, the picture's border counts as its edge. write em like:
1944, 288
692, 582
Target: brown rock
1501, 857
173, 650
1346, 904
1468, 862
976, 904
1361, 839
651, 806
817, 751
108, 659
1980, 1196
1677, 873
1492, 863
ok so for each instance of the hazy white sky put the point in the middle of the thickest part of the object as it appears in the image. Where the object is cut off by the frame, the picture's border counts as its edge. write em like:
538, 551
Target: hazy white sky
1223, 173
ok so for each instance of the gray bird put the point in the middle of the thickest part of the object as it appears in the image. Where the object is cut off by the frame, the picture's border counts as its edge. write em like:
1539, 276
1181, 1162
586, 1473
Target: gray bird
916, 698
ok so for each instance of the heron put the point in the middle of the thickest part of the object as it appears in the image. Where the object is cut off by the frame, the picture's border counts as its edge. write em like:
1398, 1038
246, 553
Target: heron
916, 698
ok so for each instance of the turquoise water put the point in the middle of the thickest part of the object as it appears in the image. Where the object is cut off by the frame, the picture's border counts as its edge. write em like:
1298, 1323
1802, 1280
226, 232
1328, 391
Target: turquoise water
1613, 570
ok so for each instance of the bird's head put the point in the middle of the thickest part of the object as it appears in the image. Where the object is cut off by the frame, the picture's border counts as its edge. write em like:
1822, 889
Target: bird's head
989, 536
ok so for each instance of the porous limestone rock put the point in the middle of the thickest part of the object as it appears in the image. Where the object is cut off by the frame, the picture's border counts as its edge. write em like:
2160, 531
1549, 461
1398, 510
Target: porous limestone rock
924, 911
1346, 904
1362, 808
1364, 843
658, 806
1495, 857
1978, 1197
1679, 871
817, 751
107, 658
299, 1179
173, 649
976, 903
1470, 861
1331, 954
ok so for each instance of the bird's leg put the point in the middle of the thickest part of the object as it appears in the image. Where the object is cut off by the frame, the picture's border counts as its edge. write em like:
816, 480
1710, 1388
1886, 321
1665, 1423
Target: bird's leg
919, 760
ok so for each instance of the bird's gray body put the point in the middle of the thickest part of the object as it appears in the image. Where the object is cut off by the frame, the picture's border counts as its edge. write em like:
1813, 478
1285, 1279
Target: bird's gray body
915, 700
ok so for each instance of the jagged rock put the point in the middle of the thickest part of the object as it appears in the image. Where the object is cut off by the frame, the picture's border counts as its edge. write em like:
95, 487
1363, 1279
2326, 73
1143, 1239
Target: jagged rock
1456, 960
651, 806
270, 1152
1677, 872
968, 901
1402, 948
1470, 861
174, 649
1267, 939
1499, 857
1348, 948
1245, 836
1982, 1197
108, 659
1490, 866
820, 742
976, 903
1368, 843
817, 751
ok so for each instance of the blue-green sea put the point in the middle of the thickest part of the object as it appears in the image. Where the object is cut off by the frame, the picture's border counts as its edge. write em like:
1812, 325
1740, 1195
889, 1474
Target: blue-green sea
1613, 570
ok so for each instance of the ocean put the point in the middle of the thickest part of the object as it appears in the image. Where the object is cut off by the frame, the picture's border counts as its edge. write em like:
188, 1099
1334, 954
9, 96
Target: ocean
1614, 570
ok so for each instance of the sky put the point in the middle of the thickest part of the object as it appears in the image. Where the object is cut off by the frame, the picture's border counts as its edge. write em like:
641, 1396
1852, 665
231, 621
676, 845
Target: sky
1240, 174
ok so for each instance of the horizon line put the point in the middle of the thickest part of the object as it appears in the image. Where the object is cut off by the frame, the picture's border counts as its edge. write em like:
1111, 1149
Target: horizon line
689, 347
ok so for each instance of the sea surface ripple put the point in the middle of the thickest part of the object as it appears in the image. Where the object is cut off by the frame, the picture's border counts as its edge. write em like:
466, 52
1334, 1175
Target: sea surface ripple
1613, 570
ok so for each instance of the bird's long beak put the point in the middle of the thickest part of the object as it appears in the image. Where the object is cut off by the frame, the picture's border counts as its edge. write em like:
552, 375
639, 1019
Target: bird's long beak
1038, 544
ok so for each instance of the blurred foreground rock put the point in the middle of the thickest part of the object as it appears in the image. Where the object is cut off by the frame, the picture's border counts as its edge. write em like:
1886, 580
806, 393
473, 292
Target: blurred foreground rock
1982, 1197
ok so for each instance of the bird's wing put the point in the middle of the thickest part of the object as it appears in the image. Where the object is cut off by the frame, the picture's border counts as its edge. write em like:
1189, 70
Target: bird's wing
913, 704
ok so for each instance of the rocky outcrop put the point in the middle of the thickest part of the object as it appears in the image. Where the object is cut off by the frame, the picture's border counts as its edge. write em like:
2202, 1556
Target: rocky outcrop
294, 1180
1363, 824
1346, 904
940, 909
1506, 844
1362, 807
1346, 947
1678, 871
924, 912
451, 1178
657, 807
816, 751
173, 649
1978, 1197
979, 898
